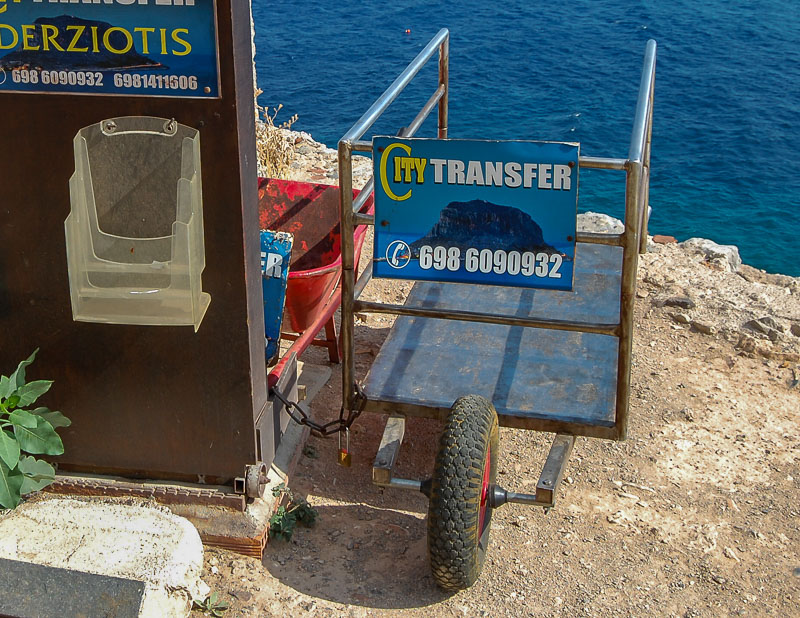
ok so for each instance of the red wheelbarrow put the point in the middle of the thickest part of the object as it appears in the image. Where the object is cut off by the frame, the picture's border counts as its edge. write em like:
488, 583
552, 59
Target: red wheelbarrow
310, 212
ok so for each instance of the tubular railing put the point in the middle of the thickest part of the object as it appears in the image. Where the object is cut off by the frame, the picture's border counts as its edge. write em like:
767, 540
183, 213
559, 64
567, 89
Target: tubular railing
632, 240
349, 209
637, 168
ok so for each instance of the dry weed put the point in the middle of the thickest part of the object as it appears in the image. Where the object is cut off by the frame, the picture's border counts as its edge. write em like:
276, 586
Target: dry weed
275, 149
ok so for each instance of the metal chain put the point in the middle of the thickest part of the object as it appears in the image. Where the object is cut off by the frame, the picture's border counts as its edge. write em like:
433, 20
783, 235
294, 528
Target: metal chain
299, 414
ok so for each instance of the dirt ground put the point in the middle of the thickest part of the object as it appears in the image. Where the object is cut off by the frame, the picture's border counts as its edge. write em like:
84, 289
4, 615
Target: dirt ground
695, 515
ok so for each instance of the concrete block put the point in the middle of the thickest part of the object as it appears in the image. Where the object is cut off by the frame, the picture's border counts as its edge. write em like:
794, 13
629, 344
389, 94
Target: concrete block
128, 539
38, 591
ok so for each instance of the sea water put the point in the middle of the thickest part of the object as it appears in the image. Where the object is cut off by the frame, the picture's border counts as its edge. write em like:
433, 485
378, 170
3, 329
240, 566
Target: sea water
727, 111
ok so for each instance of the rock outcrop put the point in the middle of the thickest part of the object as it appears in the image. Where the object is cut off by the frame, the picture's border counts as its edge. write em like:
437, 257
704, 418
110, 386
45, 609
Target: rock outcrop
724, 257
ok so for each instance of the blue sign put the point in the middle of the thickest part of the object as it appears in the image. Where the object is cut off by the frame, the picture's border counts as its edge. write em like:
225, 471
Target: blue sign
163, 48
276, 253
468, 211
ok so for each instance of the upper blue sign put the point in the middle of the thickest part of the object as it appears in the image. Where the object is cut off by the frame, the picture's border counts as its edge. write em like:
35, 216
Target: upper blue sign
163, 48
501, 213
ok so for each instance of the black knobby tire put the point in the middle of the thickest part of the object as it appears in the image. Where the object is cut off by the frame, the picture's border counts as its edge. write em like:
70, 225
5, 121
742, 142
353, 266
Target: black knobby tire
459, 515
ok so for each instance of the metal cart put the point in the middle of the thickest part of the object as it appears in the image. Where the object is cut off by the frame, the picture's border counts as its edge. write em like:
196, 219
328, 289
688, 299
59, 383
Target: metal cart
545, 360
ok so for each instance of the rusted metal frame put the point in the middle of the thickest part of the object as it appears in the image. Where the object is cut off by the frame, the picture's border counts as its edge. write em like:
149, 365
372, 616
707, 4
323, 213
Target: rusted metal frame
488, 318
363, 280
598, 430
644, 213
630, 257
389, 449
360, 146
635, 200
348, 274
595, 238
362, 197
635, 193
553, 470
549, 480
162, 493
601, 163
360, 218
444, 81
350, 142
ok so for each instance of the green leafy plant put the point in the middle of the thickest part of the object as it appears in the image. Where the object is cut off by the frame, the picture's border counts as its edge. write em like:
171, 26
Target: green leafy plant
211, 605
286, 518
25, 432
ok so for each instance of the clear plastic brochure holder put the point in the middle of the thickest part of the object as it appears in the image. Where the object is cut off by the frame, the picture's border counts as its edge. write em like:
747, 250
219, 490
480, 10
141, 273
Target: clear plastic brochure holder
135, 248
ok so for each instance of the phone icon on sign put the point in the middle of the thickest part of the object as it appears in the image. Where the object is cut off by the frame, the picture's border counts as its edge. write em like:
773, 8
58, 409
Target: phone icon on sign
398, 254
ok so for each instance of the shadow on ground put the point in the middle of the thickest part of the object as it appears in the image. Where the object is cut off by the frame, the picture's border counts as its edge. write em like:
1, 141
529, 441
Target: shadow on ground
358, 555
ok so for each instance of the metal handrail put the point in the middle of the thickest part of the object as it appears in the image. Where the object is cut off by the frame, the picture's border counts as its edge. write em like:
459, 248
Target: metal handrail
635, 234
643, 117
350, 143
488, 318
390, 94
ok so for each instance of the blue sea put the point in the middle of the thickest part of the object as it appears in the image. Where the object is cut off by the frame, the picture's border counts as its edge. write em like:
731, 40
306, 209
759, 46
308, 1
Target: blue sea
725, 161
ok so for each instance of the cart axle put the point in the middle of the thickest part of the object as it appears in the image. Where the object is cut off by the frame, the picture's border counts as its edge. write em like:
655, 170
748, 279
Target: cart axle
499, 496
549, 480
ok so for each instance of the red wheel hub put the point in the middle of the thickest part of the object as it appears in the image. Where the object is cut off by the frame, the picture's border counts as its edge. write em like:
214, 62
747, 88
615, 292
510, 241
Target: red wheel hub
487, 466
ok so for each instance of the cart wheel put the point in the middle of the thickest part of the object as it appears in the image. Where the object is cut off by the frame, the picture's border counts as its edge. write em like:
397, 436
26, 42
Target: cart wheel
459, 514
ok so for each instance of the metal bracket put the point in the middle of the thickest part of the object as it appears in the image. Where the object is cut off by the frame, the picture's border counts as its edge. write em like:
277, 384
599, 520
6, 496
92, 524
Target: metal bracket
255, 480
389, 449
554, 468
176, 493
383, 466
550, 479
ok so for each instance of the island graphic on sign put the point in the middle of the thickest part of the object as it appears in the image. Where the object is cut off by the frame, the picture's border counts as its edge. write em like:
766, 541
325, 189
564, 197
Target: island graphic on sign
73, 43
485, 225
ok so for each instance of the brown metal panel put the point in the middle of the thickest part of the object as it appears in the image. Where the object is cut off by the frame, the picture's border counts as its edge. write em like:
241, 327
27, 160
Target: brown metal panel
159, 402
440, 412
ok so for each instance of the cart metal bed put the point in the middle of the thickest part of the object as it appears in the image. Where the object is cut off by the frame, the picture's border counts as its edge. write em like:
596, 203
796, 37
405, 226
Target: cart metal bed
550, 380
545, 360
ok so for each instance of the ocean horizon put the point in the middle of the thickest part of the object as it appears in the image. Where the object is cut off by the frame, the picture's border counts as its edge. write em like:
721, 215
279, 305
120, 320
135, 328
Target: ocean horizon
726, 98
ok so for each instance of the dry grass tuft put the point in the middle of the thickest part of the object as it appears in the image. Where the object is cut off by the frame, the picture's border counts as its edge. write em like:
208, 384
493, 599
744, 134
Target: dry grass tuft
275, 149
